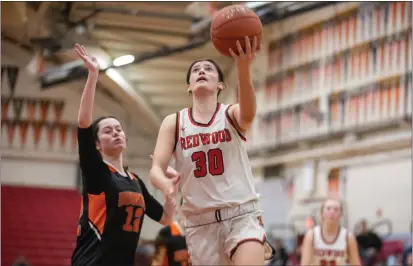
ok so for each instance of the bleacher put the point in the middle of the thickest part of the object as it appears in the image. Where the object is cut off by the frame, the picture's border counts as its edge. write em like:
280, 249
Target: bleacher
39, 224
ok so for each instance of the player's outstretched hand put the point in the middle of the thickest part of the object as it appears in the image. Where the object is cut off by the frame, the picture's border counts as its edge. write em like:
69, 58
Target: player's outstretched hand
245, 58
90, 61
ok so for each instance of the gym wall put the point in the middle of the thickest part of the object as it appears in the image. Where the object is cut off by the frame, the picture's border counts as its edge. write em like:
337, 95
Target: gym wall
359, 153
38, 142
381, 189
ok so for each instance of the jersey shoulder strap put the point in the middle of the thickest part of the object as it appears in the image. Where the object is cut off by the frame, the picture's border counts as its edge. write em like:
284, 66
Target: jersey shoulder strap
233, 122
178, 124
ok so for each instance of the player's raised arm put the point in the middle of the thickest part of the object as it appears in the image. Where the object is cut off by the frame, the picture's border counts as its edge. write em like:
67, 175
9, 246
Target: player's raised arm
88, 95
94, 170
163, 152
307, 248
353, 252
244, 111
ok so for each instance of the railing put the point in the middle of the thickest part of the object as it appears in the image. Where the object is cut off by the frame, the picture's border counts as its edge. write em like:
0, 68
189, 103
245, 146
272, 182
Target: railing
349, 73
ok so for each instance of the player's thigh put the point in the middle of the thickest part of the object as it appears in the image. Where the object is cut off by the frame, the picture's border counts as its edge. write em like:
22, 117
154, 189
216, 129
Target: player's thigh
249, 253
205, 245
245, 243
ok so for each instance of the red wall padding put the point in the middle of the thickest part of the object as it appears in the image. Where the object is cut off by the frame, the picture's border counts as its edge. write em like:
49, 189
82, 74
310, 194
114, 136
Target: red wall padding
39, 224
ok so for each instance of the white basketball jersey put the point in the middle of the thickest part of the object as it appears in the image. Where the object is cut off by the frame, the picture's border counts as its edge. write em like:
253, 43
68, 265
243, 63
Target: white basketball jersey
213, 163
330, 254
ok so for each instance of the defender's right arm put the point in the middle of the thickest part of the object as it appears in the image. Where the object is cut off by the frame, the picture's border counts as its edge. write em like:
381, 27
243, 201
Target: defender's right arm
93, 168
84, 116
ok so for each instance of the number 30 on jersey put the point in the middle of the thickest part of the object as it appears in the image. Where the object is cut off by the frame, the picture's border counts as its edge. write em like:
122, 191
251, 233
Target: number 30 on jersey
210, 162
327, 263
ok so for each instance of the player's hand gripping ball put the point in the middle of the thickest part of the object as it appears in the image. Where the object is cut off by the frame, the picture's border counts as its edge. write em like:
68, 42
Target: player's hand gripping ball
233, 23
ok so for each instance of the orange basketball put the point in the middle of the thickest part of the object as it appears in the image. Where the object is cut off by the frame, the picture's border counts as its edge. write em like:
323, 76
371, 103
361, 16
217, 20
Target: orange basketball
233, 23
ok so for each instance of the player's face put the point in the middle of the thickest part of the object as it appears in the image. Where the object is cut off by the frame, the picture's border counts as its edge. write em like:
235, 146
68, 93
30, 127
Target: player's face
204, 78
111, 137
332, 211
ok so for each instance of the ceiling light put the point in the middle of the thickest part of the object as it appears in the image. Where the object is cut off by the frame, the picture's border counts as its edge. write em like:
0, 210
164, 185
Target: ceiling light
115, 76
255, 4
123, 60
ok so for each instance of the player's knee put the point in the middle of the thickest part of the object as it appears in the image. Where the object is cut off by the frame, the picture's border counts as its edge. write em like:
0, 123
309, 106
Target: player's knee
249, 253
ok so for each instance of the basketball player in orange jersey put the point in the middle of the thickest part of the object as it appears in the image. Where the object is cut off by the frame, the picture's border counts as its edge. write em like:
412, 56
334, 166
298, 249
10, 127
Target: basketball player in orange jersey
221, 208
114, 200
330, 244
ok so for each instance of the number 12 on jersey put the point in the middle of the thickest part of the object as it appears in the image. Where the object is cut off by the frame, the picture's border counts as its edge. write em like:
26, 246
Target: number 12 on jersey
210, 162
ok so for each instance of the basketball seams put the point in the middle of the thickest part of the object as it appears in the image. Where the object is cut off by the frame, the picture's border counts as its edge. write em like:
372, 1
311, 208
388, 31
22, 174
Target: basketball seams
233, 20
225, 30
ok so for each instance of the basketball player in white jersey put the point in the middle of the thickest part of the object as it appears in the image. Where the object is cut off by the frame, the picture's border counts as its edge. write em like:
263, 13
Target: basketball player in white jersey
330, 244
222, 213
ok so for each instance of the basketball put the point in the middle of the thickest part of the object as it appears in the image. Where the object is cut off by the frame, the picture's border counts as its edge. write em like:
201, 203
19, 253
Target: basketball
233, 23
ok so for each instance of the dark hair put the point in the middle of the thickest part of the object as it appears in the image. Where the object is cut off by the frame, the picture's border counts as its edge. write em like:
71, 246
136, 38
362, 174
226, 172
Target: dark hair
95, 127
220, 73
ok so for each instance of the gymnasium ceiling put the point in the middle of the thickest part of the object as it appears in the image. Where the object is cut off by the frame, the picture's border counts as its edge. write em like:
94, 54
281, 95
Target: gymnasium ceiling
113, 29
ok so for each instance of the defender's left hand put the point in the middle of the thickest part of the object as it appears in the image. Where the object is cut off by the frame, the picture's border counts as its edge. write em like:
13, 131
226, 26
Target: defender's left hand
245, 58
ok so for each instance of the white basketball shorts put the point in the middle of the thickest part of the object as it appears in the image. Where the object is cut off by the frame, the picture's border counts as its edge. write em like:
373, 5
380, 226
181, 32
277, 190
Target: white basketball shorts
213, 237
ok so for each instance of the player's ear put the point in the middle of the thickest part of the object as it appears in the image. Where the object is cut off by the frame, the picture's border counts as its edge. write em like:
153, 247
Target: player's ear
189, 90
221, 85
97, 145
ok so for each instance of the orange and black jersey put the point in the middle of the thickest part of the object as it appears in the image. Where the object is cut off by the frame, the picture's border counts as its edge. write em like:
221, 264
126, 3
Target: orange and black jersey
171, 247
113, 208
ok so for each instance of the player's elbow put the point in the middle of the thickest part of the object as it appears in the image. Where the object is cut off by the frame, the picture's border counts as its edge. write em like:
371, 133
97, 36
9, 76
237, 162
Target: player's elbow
155, 176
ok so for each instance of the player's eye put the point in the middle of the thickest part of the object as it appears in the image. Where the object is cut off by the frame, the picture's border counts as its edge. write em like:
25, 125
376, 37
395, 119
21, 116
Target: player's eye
209, 68
195, 70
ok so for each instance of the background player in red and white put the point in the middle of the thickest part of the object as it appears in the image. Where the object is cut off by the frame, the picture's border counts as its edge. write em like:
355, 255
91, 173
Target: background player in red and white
330, 244
220, 204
